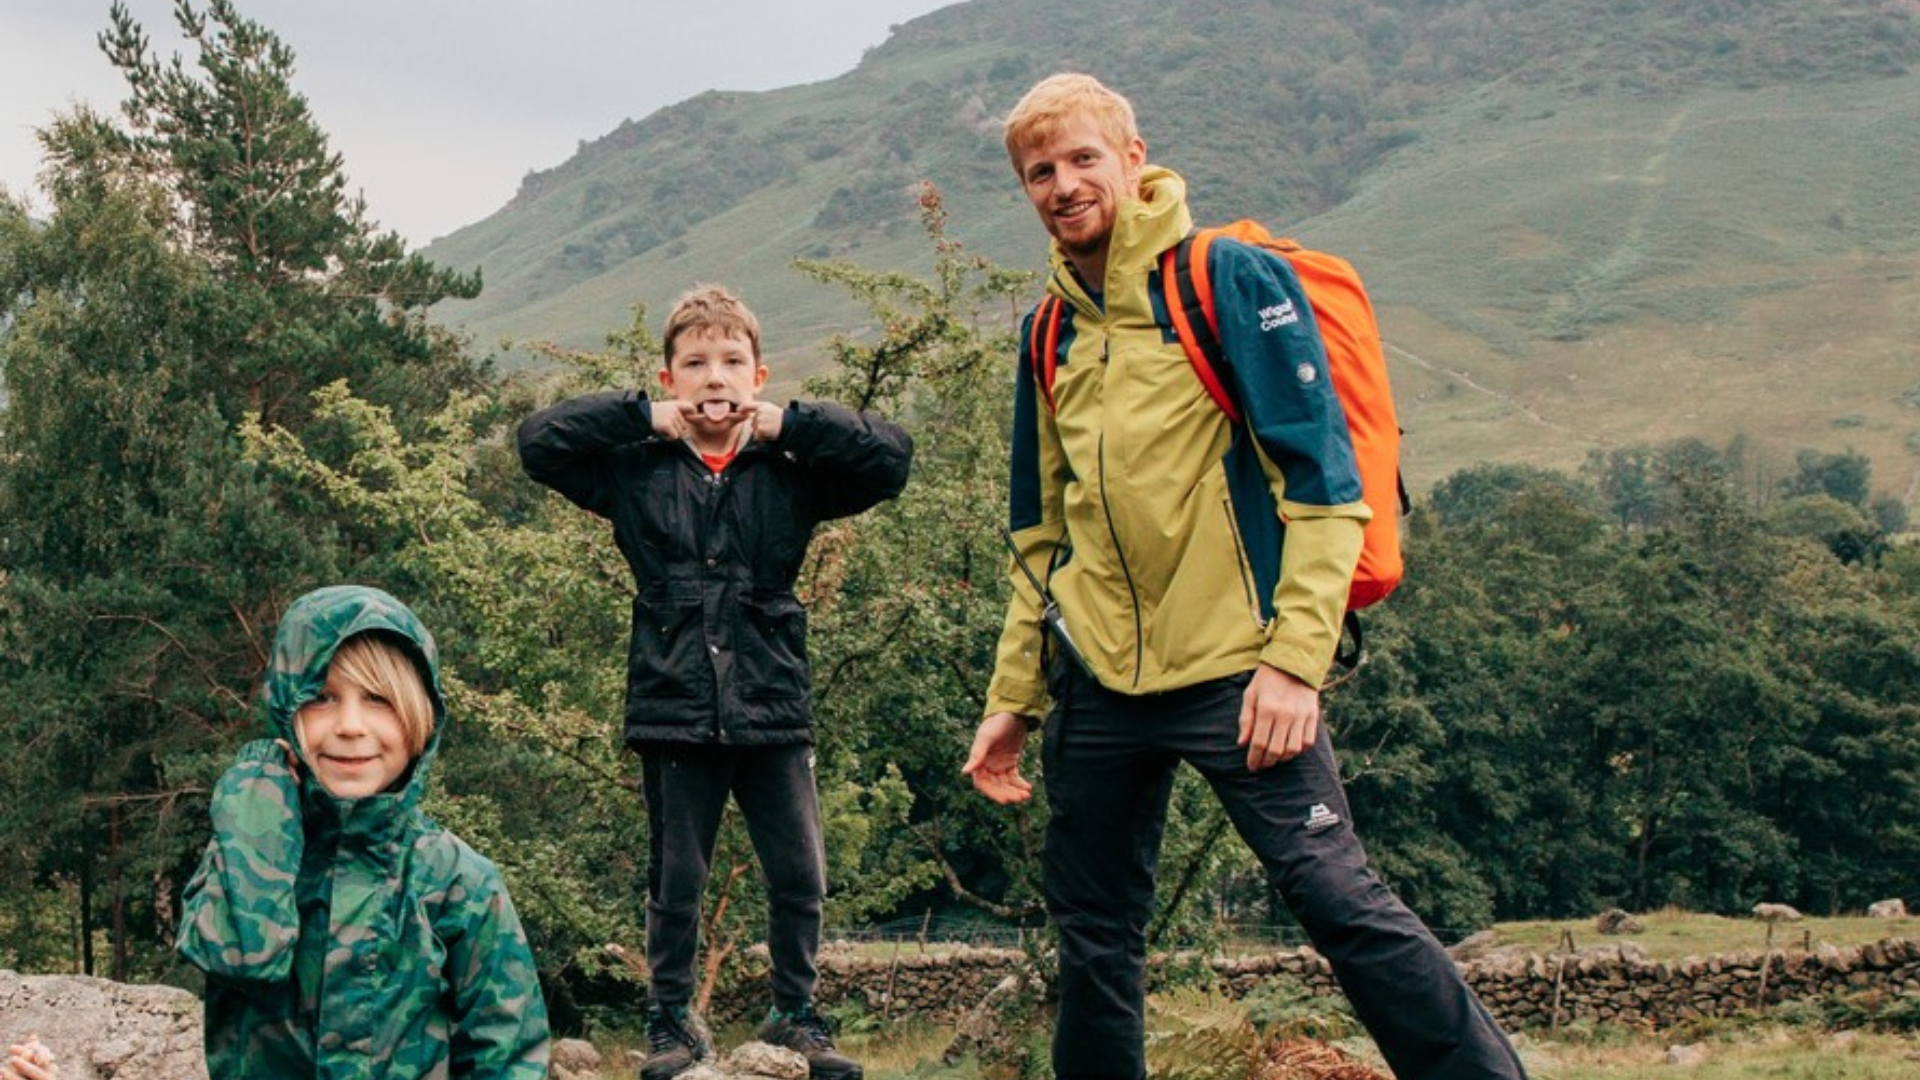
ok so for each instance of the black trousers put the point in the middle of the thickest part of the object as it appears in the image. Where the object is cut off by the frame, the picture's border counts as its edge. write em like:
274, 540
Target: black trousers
1109, 763
686, 789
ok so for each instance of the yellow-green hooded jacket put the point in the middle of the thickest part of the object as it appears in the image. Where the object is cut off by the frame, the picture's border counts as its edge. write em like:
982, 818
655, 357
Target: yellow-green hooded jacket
1154, 521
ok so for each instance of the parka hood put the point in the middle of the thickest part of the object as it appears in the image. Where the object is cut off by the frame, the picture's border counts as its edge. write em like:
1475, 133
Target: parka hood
1152, 221
312, 630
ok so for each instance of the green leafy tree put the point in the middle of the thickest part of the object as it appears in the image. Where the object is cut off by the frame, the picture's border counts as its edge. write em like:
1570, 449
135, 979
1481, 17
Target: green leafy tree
905, 624
1846, 477
200, 267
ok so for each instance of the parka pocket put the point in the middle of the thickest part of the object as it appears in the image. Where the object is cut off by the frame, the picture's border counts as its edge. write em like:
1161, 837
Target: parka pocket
668, 656
1243, 563
772, 657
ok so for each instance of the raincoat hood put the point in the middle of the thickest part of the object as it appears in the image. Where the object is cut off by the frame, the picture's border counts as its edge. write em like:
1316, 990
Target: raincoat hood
352, 939
312, 630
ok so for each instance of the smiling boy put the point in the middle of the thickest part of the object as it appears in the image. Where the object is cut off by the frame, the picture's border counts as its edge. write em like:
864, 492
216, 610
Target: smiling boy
714, 496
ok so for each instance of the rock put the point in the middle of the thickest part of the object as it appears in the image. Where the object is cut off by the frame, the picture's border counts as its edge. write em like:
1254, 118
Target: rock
577, 1056
1776, 913
990, 1030
1689, 1054
100, 1030
758, 1059
1895, 908
1474, 946
1616, 921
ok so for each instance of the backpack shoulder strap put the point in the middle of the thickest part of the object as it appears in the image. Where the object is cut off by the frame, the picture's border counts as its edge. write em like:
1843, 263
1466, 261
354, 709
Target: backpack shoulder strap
1043, 345
1184, 276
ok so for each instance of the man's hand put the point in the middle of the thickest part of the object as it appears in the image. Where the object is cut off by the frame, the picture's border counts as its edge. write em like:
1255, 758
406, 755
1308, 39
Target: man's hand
994, 761
1279, 717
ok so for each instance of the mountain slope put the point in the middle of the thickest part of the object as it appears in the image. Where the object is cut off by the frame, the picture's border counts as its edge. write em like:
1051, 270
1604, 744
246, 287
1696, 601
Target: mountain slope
1586, 223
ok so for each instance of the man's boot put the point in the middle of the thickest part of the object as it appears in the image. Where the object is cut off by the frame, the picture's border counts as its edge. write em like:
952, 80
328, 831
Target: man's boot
676, 1039
805, 1031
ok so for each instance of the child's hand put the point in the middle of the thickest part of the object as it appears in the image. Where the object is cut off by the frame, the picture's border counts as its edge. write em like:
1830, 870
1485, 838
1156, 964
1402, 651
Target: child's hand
673, 419
766, 418
293, 759
30, 1060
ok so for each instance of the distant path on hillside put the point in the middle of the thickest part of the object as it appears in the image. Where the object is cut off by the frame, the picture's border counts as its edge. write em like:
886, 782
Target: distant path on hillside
1508, 400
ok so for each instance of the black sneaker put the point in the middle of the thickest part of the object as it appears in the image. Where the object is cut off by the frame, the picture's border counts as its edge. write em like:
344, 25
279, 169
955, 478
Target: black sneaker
676, 1039
805, 1031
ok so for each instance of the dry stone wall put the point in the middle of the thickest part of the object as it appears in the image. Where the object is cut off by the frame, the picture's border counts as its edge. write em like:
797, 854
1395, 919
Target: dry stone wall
941, 985
1610, 984
1533, 991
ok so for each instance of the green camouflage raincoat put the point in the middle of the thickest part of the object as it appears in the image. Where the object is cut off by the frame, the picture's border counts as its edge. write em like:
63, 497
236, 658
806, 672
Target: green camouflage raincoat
352, 939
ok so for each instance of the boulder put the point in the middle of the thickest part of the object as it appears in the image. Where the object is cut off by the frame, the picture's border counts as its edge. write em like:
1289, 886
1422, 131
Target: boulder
760, 1060
1689, 1054
1776, 913
101, 1030
1895, 908
575, 1059
1616, 921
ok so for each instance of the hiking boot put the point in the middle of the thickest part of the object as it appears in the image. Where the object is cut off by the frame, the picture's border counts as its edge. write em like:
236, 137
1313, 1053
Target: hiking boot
805, 1031
676, 1039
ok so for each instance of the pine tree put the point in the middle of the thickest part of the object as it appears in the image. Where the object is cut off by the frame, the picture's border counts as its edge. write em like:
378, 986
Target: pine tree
202, 267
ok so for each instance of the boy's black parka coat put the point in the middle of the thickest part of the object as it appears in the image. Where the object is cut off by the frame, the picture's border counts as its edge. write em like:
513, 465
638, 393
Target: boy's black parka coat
718, 652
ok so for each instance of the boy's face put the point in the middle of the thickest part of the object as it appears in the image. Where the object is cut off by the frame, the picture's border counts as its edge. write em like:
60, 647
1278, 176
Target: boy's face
1076, 179
716, 372
353, 739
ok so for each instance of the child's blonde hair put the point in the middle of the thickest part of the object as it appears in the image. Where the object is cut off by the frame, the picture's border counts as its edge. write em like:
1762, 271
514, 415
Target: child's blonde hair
711, 308
378, 666
1053, 100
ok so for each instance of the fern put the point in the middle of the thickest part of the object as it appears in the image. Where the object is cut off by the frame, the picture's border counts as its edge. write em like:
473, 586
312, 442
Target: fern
1196, 1034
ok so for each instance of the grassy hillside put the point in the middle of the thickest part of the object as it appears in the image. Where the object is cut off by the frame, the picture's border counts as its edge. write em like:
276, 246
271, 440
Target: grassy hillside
1586, 223
1704, 264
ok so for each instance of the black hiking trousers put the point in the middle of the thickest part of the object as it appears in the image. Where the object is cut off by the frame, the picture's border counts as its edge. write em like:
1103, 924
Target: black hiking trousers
686, 789
1109, 764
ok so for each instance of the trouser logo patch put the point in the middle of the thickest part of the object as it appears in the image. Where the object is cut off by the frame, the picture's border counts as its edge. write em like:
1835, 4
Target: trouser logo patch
1320, 818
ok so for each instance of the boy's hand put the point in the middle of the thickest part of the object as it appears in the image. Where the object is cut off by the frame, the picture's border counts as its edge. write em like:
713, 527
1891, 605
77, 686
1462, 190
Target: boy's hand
673, 419
766, 418
994, 761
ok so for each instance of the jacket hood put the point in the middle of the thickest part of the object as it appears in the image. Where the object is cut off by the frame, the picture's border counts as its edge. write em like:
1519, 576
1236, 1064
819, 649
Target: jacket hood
312, 630
1146, 225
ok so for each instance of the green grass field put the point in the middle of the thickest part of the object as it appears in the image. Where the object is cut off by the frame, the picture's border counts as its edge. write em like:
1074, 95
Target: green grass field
1670, 935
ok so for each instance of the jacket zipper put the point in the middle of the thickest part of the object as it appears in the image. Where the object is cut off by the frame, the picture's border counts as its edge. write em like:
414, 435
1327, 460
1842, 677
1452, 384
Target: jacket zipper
706, 519
1241, 561
1132, 593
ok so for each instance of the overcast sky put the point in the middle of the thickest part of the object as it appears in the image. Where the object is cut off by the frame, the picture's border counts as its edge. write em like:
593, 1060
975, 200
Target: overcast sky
441, 106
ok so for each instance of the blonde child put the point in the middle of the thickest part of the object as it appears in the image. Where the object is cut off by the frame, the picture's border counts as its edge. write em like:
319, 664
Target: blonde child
341, 931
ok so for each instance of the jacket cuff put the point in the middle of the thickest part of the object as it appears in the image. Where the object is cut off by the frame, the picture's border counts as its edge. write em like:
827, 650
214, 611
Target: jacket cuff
1304, 660
640, 410
1027, 700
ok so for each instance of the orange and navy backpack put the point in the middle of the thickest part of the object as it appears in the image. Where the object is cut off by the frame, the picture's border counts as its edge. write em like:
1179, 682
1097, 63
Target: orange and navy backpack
1355, 359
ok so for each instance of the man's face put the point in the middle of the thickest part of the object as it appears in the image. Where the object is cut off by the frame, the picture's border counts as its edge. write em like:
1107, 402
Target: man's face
715, 371
1076, 179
